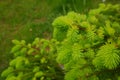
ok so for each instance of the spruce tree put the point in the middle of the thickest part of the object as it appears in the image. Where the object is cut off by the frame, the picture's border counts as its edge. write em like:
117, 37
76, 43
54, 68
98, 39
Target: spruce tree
84, 47
90, 43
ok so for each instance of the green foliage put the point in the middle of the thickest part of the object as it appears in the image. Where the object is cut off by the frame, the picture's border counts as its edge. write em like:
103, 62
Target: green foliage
90, 47
33, 61
84, 47
108, 56
23, 19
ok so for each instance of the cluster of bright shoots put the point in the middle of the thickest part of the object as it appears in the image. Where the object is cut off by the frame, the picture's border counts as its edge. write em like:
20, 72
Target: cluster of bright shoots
87, 46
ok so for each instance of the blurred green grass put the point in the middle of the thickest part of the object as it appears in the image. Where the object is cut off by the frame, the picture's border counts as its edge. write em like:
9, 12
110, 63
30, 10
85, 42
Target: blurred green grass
27, 19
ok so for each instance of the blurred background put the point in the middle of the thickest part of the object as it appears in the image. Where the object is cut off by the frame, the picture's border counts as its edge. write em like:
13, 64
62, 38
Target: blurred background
27, 19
